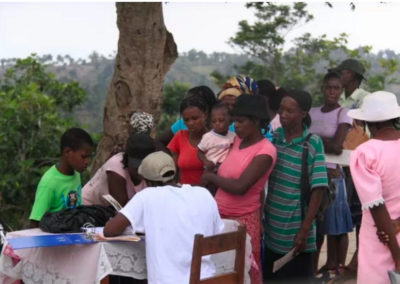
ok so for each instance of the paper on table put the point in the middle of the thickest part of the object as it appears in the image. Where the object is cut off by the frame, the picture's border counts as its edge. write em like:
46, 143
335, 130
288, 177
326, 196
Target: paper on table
101, 238
283, 260
96, 234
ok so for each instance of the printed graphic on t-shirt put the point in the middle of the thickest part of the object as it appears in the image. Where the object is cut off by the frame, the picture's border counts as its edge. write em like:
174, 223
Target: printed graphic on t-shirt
72, 199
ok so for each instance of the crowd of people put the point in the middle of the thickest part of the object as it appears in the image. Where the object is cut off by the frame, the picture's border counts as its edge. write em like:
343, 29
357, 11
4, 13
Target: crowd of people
254, 153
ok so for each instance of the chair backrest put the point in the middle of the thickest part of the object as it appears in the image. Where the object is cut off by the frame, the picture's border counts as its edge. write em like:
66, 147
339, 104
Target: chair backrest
215, 244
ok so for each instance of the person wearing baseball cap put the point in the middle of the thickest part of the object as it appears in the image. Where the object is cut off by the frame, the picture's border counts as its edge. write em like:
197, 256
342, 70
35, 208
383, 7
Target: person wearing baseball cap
375, 169
169, 215
352, 73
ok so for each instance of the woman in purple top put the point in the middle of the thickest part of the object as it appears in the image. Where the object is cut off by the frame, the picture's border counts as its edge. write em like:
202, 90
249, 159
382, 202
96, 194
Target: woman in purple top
330, 121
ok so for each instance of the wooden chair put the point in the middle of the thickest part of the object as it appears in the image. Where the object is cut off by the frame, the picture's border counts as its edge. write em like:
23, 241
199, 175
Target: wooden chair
215, 244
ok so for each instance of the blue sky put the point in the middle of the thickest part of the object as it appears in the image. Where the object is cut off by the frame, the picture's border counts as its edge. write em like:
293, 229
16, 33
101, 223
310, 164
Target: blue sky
77, 28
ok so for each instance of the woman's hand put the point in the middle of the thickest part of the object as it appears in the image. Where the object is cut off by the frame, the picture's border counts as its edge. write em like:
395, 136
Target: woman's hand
300, 241
206, 178
384, 237
209, 166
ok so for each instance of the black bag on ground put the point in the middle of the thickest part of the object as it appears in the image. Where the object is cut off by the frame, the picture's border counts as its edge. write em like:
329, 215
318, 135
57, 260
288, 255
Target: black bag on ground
71, 220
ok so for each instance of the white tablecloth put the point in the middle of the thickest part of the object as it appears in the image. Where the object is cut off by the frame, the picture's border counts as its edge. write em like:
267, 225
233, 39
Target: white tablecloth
92, 262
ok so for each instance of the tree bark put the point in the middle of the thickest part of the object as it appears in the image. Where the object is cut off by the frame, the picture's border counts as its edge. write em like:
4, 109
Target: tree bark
146, 50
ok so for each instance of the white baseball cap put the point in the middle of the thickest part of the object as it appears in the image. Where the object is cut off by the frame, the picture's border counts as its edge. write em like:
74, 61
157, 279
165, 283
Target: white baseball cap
157, 166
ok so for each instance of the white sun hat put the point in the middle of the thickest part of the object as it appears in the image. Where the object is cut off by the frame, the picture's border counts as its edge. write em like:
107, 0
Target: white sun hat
378, 106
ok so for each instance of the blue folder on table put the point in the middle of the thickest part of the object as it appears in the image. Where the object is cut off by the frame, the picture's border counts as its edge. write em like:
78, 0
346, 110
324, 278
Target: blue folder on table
49, 241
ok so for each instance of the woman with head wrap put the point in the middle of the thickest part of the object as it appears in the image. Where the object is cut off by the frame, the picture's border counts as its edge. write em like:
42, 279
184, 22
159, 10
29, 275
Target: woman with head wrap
234, 87
141, 122
375, 168
289, 219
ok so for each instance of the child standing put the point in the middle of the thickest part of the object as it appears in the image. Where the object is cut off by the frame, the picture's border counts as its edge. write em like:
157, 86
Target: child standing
60, 186
215, 144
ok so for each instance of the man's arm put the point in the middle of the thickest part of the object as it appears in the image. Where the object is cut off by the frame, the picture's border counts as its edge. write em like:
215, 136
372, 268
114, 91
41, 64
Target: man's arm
116, 226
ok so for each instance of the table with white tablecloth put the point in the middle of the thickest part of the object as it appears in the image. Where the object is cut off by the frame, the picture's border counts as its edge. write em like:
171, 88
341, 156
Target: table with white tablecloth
90, 263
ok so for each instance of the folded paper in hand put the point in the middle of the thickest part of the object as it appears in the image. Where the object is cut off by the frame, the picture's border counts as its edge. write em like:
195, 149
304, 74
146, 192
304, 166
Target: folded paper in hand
278, 264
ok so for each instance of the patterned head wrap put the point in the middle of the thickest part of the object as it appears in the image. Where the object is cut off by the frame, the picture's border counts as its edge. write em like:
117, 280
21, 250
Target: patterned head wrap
246, 84
141, 122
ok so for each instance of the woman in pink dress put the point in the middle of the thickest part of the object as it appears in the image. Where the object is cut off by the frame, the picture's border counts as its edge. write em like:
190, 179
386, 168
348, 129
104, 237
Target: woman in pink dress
244, 172
375, 167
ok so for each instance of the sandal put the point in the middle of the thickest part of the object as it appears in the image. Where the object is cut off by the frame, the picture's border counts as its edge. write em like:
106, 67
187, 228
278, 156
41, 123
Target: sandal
326, 275
345, 273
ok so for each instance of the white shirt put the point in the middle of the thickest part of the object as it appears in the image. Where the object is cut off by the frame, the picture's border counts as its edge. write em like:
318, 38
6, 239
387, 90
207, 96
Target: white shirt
170, 217
354, 100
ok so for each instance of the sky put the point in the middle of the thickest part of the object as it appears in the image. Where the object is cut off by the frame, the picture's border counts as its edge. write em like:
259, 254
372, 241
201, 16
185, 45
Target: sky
79, 28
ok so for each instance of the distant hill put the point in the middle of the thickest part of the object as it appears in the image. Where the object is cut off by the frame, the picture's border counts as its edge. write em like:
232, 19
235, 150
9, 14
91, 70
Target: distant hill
193, 67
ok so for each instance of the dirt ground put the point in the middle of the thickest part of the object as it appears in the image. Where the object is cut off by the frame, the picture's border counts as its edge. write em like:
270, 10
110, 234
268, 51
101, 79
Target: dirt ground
350, 251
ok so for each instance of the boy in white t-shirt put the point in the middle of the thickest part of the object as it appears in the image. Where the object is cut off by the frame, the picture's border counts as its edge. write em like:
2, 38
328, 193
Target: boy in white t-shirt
215, 144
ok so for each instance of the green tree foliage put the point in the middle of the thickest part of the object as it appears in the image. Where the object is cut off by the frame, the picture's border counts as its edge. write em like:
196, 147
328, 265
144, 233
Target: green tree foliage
301, 66
266, 37
30, 70
386, 76
172, 97
31, 124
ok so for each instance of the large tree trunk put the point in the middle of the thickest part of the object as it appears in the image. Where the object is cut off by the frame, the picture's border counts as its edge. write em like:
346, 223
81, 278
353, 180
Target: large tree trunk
146, 50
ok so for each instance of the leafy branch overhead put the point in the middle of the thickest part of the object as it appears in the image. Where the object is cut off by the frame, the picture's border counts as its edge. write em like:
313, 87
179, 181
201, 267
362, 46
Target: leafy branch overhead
301, 65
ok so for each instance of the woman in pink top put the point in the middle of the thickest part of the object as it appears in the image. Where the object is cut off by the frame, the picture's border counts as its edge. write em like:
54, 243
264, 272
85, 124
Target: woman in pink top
243, 174
375, 170
118, 176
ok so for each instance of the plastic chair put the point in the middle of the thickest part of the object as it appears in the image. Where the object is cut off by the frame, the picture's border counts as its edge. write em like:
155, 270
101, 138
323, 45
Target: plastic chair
215, 244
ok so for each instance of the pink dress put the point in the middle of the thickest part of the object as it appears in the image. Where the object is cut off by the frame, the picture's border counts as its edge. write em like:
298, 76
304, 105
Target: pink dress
375, 168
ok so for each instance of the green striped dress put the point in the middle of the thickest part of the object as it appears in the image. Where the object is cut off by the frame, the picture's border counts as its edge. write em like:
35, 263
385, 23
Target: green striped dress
283, 205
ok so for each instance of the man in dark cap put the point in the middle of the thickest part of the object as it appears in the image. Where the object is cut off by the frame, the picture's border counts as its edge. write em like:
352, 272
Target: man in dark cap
352, 74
